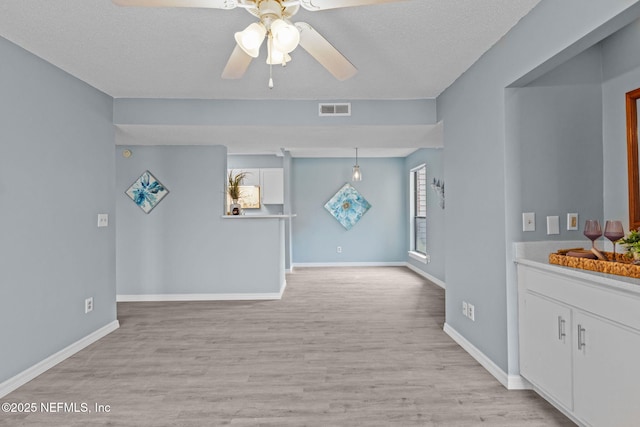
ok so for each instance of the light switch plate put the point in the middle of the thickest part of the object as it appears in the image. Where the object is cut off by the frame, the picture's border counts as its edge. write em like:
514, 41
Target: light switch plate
572, 221
528, 221
103, 220
553, 225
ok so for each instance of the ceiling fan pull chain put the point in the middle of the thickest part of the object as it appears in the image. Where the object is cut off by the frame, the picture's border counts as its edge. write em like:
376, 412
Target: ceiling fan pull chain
270, 62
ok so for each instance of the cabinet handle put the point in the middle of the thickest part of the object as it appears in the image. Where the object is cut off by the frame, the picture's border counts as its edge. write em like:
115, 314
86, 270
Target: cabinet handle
581, 342
561, 330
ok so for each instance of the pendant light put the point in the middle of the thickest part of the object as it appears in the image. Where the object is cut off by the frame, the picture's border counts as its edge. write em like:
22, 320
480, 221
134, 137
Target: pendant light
357, 175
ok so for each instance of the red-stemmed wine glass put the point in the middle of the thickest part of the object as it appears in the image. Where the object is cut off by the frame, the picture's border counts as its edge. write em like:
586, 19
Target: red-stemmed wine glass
592, 230
613, 231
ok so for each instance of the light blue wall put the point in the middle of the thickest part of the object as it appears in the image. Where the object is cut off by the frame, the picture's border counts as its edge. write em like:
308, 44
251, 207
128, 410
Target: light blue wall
270, 161
239, 161
381, 234
621, 73
56, 175
207, 112
432, 158
481, 215
554, 126
184, 246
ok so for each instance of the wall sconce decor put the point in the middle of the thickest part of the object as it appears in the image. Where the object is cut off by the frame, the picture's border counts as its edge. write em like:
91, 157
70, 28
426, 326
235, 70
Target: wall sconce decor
438, 187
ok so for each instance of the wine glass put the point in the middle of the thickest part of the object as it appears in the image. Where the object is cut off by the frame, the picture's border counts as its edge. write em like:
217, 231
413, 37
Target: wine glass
592, 230
613, 231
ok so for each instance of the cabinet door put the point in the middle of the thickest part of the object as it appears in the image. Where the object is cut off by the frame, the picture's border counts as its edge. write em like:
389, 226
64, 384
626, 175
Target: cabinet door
272, 186
607, 372
545, 346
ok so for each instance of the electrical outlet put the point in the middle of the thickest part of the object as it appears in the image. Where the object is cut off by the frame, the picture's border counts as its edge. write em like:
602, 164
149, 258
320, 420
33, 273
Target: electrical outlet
88, 305
471, 311
339, 249
465, 309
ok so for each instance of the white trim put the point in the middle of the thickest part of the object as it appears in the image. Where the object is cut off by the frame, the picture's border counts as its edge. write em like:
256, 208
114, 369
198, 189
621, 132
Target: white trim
420, 257
28, 374
349, 264
420, 166
202, 297
511, 382
427, 276
196, 297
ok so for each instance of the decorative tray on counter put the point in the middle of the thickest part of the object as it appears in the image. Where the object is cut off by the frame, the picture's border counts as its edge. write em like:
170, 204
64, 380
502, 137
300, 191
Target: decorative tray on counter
622, 266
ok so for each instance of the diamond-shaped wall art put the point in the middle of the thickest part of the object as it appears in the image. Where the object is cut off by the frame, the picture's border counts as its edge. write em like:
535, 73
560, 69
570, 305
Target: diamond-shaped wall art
347, 206
147, 192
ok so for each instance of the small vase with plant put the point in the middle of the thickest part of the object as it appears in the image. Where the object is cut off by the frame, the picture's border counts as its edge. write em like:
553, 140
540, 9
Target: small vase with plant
632, 242
233, 188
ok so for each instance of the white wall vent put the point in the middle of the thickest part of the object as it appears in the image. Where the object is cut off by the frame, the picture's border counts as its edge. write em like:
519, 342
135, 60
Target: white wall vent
343, 109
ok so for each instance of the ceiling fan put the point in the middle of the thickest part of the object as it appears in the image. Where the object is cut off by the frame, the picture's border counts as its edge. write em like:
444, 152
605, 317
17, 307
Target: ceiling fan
274, 25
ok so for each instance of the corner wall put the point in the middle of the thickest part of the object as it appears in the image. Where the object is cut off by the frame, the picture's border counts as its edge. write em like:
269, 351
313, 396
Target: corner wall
184, 248
56, 174
480, 212
379, 237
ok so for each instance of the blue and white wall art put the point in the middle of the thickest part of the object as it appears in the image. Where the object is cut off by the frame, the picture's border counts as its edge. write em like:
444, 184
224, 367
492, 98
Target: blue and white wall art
147, 192
347, 206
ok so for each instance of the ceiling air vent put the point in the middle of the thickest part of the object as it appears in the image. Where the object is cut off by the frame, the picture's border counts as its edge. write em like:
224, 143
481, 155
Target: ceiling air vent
335, 109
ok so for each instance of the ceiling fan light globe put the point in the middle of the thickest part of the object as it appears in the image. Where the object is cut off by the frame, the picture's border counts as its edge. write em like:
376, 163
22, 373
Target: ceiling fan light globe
251, 38
275, 56
285, 36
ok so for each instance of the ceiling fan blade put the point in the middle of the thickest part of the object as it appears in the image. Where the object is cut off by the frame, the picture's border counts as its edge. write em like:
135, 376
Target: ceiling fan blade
325, 53
237, 64
334, 4
212, 4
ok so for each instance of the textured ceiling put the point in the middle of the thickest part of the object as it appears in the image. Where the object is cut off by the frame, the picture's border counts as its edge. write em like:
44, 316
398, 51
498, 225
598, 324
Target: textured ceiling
411, 49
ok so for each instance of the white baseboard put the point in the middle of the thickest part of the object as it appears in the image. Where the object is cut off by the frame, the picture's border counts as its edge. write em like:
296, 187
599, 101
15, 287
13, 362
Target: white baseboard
511, 382
27, 375
426, 275
202, 297
349, 264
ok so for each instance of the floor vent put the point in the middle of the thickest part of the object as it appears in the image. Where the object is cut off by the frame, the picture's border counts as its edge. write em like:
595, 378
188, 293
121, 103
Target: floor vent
343, 109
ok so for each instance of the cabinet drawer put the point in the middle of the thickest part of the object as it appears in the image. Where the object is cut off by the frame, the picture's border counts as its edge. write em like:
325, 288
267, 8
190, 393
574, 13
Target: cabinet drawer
594, 298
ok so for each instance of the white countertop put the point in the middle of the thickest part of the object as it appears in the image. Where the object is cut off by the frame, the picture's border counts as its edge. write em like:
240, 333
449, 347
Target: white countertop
536, 254
281, 216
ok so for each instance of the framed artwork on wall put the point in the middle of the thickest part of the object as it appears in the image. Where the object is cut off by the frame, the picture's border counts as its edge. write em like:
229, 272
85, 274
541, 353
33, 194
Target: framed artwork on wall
147, 192
347, 206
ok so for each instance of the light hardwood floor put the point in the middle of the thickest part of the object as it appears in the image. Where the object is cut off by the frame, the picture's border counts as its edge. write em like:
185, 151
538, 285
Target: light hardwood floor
344, 347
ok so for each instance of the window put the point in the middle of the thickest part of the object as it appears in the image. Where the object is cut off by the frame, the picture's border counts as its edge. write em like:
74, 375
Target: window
418, 209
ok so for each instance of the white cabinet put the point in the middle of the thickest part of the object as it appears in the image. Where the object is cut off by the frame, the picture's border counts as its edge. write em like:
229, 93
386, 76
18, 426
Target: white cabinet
272, 181
545, 346
607, 372
579, 346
